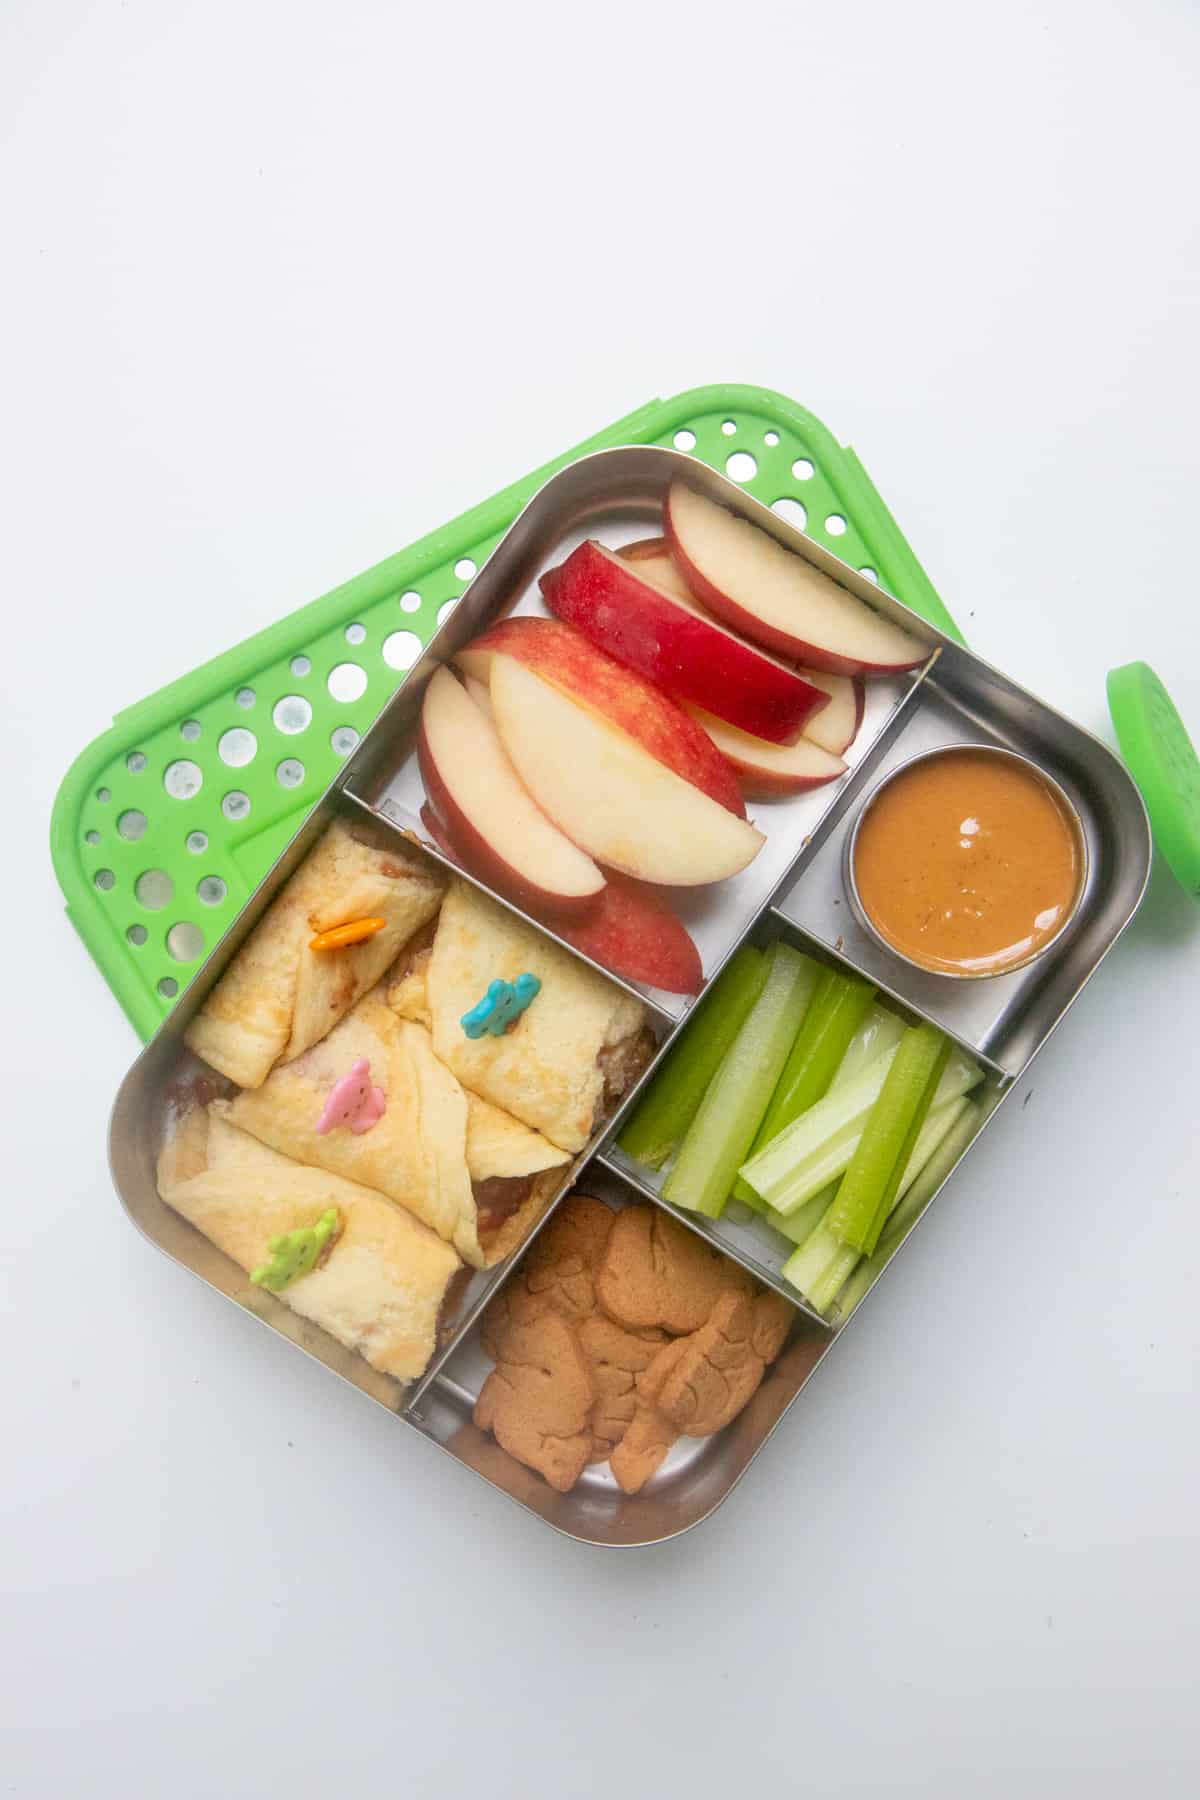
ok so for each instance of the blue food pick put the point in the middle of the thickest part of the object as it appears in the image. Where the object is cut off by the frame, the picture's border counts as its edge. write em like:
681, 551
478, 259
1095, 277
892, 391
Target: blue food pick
500, 1007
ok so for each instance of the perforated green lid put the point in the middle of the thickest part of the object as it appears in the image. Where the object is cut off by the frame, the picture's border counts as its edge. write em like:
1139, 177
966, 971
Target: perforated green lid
1163, 761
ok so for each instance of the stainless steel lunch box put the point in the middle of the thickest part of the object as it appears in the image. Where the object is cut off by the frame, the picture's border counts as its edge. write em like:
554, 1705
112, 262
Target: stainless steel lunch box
793, 890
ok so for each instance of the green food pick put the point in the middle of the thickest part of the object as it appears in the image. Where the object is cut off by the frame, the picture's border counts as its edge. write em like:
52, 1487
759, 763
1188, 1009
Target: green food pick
295, 1253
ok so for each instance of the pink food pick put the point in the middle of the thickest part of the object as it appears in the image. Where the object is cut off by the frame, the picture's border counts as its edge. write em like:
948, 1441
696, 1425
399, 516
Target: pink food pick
353, 1102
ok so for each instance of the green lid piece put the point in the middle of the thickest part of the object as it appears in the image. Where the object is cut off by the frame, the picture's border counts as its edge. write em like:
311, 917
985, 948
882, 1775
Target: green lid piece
1163, 761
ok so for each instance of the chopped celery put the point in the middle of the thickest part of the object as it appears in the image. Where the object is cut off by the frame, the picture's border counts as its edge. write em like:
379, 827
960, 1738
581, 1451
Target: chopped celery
906, 1213
823, 1263
798, 1225
877, 1167
833, 1278
818, 1147
737, 1096
937, 1168
939, 1121
777, 1173
881, 1030
672, 1100
838, 1009
807, 1266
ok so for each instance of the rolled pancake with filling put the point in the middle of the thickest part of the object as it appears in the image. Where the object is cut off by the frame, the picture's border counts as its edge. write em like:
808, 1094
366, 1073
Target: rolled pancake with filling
435, 1151
381, 1284
575, 1049
278, 997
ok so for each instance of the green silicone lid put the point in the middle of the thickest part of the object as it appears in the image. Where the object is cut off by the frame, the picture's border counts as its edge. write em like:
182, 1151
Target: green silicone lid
1163, 761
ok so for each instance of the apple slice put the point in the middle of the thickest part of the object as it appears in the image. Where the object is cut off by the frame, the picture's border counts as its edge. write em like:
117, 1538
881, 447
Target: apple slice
439, 831
478, 691
670, 641
635, 934
608, 794
775, 597
564, 656
835, 727
472, 786
629, 930
652, 558
767, 770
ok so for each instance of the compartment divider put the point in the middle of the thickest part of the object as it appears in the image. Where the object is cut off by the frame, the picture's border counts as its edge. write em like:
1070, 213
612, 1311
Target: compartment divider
488, 1283
455, 1389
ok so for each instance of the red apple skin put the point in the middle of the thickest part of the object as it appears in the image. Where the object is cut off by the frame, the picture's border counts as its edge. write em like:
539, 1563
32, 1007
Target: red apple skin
655, 554
642, 626
629, 930
760, 631
478, 855
561, 654
635, 935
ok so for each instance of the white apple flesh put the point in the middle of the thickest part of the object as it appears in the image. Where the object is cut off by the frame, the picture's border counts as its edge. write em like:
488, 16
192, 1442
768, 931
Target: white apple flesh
769, 771
473, 786
607, 793
835, 727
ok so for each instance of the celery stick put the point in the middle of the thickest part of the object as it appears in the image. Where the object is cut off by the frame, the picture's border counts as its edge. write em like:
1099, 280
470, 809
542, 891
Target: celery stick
795, 1167
881, 1030
905, 1215
806, 1267
797, 1226
838, 1009
737, 1096
775, 1170
826, 1262
939, 1121
929, 1180
672, 1100
889, 1136
833, 1278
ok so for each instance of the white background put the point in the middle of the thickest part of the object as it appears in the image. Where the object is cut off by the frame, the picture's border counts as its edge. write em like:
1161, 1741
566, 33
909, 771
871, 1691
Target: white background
285, 286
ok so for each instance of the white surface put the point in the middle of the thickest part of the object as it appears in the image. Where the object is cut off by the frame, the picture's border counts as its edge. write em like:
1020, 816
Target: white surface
287, 285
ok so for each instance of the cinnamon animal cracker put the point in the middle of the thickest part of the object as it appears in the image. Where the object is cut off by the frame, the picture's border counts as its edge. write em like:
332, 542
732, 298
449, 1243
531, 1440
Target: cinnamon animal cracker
616, 1358
537, 1401
591, 1308
717, 1371
649, 1435
656, 1272
562, 1261
557, 1272
773, 1316
580, 1227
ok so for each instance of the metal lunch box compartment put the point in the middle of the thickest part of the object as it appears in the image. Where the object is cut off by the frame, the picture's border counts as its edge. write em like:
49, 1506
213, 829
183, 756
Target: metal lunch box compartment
793, 889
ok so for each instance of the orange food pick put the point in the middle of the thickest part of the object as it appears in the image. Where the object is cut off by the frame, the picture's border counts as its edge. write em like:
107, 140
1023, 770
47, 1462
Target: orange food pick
356, 932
